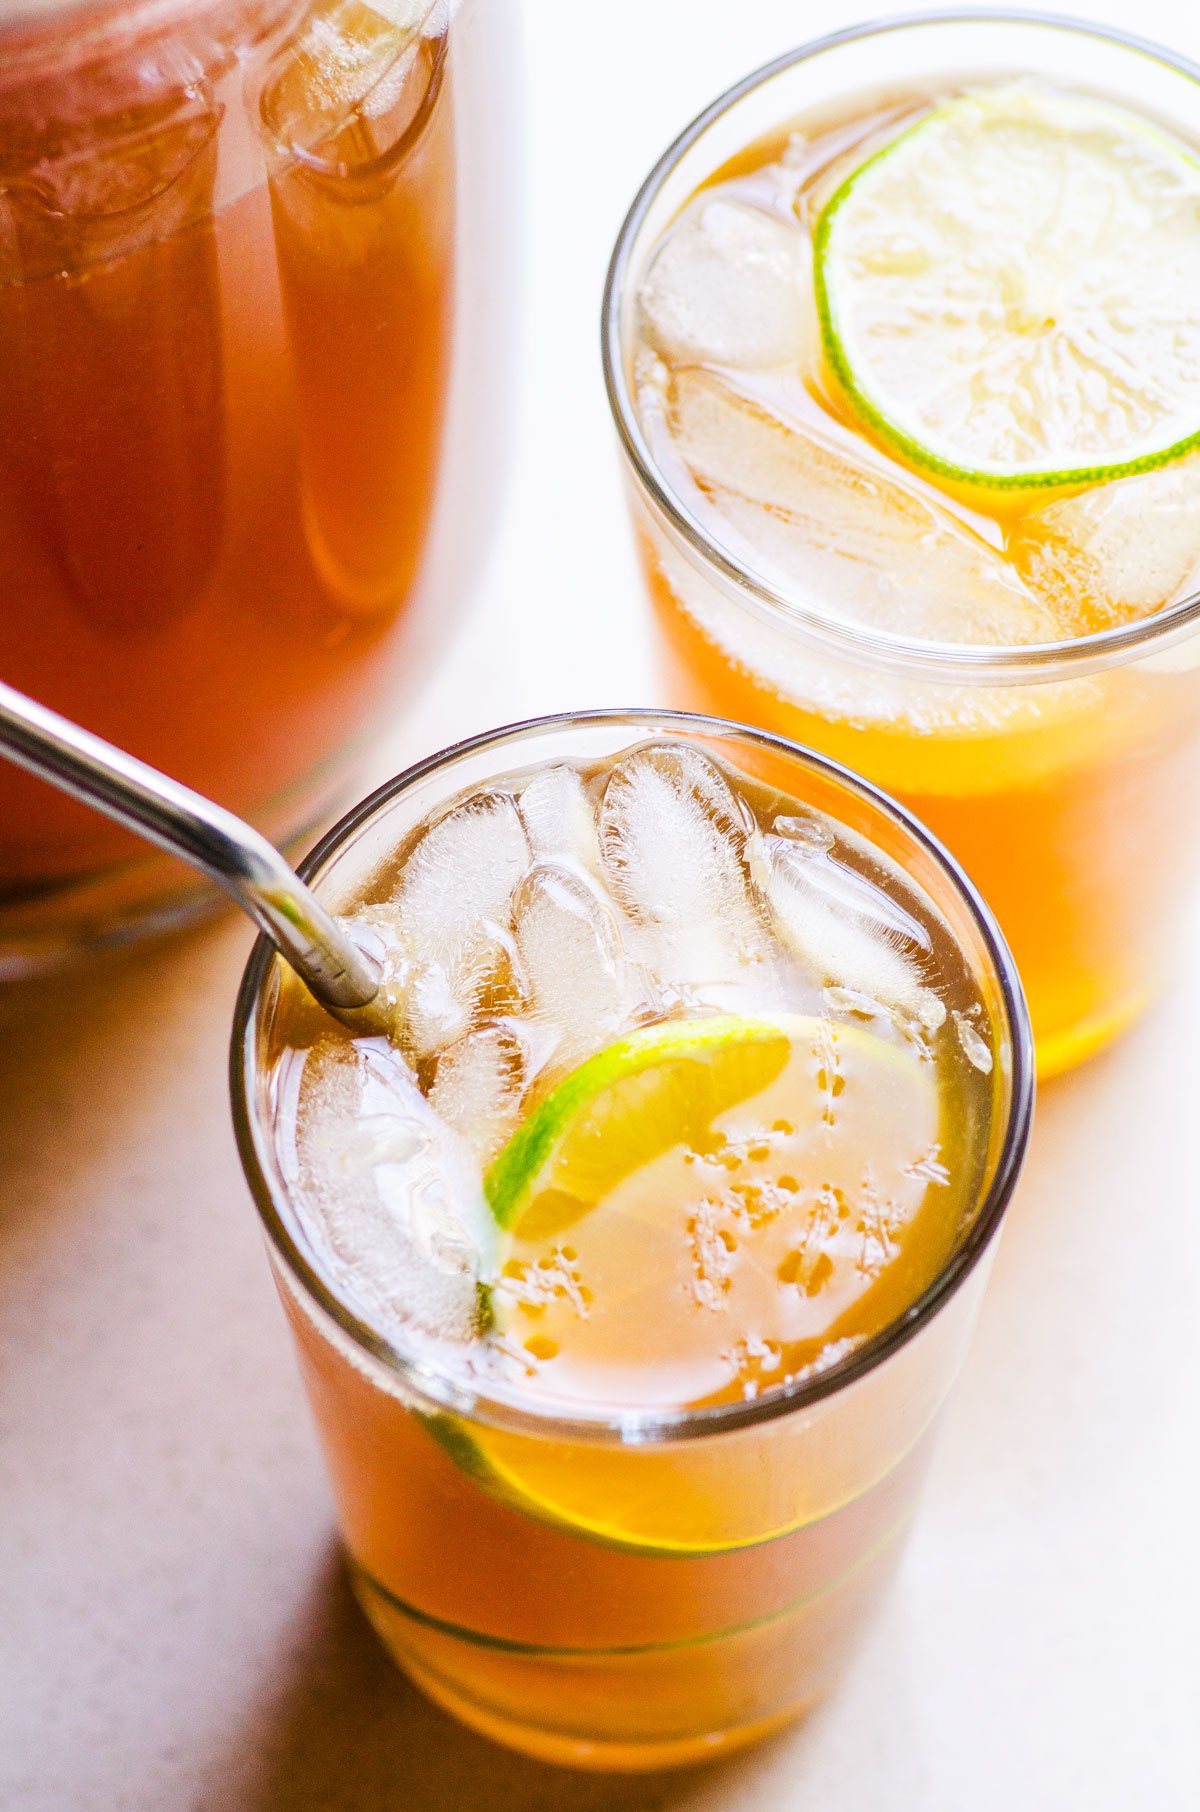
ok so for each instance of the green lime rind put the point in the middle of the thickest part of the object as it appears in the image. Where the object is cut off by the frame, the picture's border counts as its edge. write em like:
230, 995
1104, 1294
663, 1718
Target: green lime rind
511, 1645
512, 1174
917, 454
464, 1451
457, 1444
462, 1448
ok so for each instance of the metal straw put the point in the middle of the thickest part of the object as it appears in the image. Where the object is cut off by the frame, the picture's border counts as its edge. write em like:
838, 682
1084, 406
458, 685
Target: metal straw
189, 826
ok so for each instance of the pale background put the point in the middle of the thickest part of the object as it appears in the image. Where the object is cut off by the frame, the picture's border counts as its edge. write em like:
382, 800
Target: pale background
175, 1635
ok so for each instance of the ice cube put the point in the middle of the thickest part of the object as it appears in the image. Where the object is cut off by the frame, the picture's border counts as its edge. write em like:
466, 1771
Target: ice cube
859, 944
132, 489
672, 841
462, 873
347, 58
810, 838
392, 1194
1114, 552
859, 538
478, 1087
730, 285
559, 818
451, 917
376, 929
138, 186
446, 999
573, 964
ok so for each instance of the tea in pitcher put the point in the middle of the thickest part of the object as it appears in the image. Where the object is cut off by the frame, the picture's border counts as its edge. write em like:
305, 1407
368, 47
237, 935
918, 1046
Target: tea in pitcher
230, 272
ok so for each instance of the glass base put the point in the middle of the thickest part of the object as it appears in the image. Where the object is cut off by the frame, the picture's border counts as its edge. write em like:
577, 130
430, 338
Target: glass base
636, 1708
597, 1758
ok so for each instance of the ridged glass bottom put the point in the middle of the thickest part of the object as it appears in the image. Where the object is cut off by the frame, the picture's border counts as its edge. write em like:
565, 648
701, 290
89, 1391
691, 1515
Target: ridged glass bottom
637, 1707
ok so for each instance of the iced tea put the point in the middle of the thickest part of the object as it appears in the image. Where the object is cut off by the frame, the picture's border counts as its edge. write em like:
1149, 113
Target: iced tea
703, 1083
230, 239
911, 381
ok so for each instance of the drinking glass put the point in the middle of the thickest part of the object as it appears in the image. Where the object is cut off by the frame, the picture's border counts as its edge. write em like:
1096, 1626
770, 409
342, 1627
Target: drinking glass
1065, 777
697, 1626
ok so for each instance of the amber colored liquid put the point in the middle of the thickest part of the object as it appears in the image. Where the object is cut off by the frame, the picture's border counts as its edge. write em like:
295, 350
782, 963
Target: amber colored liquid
616, 1603
575, 1649
1077, 832
1074, 807
219, 442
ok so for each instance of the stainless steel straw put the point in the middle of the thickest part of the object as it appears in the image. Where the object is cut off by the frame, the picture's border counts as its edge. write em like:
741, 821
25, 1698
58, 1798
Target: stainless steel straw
189, 826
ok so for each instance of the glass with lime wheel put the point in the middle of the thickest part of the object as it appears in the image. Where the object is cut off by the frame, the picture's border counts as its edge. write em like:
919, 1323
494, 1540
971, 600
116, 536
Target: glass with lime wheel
630, 1272
903, 344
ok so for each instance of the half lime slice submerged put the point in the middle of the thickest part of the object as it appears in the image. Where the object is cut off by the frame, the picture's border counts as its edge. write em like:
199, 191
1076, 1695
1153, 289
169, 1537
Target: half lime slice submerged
812, 1126
659, 1086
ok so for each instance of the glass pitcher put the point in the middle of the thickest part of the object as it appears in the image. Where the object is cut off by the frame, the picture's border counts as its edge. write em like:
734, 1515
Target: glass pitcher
254, 263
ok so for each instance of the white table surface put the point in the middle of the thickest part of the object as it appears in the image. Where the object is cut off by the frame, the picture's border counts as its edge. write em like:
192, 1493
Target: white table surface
175, 1634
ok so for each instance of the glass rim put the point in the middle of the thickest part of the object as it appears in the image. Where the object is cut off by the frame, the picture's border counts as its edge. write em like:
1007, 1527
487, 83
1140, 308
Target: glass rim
964, 662
517, 1410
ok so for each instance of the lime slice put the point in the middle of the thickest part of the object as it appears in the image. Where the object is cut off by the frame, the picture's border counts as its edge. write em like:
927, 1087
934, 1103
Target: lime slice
1009, 290
674, 1503
655, 1088
844, 1123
